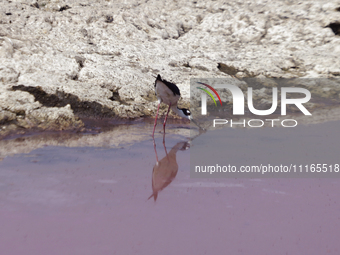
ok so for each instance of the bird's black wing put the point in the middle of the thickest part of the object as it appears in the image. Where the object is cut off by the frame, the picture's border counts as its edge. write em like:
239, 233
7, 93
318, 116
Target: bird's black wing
170, 85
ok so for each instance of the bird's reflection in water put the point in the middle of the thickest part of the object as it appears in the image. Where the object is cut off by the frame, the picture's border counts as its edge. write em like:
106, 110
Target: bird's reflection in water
165, 170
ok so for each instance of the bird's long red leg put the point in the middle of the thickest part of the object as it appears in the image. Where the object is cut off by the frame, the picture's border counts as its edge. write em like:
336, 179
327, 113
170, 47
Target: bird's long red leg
154, 126
154, 146
166, 152
166, 117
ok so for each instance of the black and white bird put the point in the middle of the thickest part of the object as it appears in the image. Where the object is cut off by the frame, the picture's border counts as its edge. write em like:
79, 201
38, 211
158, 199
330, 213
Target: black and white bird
168, 93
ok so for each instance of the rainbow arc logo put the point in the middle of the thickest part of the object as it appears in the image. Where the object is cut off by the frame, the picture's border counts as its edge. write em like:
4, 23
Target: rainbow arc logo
208, 92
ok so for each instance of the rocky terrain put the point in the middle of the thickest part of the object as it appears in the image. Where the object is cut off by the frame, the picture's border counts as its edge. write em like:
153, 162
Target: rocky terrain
61, 60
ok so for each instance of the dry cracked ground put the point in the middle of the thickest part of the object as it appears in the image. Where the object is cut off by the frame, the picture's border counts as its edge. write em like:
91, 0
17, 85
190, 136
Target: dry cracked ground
64, 60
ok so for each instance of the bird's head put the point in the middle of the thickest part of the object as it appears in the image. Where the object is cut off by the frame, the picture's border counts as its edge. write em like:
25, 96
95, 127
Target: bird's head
184, 113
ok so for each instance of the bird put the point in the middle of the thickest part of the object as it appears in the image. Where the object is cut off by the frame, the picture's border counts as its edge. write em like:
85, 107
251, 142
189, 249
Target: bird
166, 169
168, 93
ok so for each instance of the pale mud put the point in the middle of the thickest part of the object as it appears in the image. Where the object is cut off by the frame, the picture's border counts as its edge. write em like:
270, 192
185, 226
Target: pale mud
60, 60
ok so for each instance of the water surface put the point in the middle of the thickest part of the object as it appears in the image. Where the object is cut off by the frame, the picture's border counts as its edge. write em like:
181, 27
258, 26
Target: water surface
88, 194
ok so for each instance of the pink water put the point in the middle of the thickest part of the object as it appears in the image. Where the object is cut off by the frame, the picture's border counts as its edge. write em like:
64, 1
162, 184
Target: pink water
92, 200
